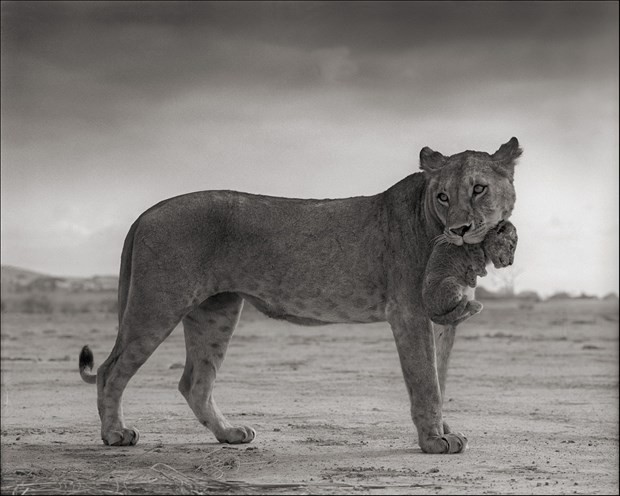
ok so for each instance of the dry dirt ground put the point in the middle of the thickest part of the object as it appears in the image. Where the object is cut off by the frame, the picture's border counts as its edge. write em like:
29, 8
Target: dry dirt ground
535, 391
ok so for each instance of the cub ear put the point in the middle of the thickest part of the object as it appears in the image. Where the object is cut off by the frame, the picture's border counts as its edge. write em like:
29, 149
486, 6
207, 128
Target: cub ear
430, 160
508, 153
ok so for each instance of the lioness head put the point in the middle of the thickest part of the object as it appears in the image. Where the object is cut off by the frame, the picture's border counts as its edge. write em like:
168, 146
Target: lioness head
470, 192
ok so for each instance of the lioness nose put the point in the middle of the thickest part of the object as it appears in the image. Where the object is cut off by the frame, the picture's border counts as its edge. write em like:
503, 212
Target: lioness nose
461, 230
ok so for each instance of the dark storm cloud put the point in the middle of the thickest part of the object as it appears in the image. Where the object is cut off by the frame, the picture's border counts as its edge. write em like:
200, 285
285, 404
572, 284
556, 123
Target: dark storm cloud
100, 69
378, 25
93, 52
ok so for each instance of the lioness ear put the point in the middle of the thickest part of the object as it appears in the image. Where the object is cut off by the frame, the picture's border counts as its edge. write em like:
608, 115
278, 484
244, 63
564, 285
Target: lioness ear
431, 160
506, 157
508, 152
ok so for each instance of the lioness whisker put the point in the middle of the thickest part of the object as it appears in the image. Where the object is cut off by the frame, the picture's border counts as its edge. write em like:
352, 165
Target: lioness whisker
439, 240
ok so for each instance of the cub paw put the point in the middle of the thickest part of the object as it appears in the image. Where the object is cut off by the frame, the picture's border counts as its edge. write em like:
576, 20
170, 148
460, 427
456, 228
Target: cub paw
471, 278
126, 437
237, 435
474, 307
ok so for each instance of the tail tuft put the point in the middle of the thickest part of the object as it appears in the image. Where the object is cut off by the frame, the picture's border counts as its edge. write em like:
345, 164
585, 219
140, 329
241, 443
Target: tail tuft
87, 360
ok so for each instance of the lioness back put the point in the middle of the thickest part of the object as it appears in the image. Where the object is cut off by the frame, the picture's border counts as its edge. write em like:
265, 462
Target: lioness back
318, 260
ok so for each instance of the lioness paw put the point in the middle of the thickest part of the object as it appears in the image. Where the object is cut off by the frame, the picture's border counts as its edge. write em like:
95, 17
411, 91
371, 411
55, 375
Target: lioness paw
126, 437
237, 435
449, 443
457, 442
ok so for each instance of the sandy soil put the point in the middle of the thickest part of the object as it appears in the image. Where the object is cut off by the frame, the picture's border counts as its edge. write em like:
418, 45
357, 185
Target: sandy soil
535, 391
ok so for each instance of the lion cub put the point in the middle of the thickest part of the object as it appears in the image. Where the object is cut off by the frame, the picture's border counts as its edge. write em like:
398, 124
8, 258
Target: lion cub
452, 270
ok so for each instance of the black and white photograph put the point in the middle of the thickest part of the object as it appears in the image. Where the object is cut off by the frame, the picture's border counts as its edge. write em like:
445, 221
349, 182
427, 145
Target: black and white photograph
309, 247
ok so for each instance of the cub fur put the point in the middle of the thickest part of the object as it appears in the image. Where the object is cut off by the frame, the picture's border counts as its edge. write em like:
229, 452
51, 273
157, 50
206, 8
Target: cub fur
452, 270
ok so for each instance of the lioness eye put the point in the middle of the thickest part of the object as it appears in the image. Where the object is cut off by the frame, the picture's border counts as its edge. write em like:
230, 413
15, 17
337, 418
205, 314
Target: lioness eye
443, 197
479, 188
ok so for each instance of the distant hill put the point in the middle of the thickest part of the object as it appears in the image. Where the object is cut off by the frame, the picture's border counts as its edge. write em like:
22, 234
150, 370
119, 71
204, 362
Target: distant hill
15, 279
12, 277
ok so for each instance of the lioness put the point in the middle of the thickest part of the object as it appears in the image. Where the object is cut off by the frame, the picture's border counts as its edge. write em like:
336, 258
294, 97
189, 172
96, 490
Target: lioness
198, 256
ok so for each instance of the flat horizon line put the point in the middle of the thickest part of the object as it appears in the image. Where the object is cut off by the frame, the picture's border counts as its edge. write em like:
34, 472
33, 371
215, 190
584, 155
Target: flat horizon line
544, 295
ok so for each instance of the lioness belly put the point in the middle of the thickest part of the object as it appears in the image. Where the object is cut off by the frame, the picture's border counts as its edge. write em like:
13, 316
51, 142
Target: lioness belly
305, 294
320, 310
309, 313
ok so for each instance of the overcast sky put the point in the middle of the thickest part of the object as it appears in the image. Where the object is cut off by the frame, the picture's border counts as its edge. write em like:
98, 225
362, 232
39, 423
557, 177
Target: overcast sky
109, 107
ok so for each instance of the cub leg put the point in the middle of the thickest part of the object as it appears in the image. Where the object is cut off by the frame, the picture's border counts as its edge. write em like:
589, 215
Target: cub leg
208, 329
415, 343
446, 300
137, 339
477, 260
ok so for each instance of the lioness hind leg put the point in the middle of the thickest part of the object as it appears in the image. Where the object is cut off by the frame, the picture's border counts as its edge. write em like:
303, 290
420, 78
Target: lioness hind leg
208, 329
137, 340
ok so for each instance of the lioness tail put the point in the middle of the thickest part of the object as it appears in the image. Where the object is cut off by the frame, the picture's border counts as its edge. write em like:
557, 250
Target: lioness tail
87, 360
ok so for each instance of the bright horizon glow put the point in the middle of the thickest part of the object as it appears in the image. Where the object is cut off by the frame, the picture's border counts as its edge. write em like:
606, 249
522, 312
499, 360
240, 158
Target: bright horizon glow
110, 107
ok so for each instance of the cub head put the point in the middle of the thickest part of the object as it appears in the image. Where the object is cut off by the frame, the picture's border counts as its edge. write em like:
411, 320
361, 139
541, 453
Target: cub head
470, 192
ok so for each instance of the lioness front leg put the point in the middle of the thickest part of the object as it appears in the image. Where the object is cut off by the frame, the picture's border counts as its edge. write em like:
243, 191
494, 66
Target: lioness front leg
415, 343
208, 329
444, 340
